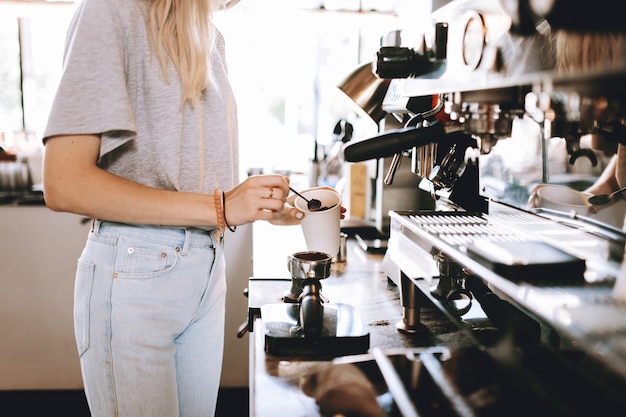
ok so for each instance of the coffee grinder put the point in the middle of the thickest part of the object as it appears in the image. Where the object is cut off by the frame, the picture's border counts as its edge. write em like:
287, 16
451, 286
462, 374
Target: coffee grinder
306, 323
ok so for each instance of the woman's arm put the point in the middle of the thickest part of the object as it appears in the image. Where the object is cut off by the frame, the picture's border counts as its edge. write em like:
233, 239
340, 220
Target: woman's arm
607, 181
74, 183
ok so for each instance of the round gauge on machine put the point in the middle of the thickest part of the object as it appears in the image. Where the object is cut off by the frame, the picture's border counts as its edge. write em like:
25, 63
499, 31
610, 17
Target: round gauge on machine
473, 40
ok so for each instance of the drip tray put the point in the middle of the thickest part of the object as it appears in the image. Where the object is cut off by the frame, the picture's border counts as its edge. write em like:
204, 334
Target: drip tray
343, 332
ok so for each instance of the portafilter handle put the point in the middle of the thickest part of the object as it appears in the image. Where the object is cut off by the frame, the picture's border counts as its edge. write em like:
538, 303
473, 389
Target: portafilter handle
398, 140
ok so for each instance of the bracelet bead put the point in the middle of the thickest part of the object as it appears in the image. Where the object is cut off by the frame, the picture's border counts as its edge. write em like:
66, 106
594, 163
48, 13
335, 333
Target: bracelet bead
219, 210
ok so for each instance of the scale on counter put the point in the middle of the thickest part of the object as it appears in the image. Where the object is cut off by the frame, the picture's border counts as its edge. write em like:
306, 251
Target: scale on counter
342, 332
304, 323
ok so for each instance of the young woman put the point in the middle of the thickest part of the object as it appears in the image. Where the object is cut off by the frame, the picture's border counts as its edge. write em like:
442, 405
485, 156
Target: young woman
142, 137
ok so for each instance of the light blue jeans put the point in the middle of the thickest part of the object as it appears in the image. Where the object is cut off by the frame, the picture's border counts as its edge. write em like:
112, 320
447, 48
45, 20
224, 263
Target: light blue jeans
149, 308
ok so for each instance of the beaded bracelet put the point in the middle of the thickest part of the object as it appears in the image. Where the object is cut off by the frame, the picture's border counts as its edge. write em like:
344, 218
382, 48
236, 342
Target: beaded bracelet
231, 228
219, 210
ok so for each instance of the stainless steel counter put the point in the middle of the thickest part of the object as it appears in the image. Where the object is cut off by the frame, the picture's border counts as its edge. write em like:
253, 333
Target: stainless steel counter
557, 377
360, 282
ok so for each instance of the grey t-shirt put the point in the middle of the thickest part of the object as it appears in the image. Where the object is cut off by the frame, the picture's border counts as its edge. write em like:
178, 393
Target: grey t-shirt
112, 85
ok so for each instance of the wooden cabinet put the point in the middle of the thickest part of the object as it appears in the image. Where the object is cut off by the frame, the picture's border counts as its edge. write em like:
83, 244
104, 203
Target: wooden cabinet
38, 253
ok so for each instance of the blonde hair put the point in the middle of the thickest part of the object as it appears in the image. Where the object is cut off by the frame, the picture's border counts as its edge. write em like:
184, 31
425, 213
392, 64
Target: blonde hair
587, 51
183, 31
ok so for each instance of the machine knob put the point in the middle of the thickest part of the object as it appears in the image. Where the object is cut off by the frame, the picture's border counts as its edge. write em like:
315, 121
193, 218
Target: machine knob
395, 62
401, 62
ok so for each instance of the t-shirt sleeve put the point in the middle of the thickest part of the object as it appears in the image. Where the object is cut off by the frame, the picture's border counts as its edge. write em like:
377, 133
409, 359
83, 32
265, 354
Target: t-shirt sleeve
92, 96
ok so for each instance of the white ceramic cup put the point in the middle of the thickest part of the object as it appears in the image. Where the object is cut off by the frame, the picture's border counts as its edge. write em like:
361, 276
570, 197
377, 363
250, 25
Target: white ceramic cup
562, 198
321, 228
566, 199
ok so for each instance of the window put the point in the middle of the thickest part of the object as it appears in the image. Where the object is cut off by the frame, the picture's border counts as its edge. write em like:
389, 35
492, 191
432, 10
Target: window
10, 85
31, 51
284, 74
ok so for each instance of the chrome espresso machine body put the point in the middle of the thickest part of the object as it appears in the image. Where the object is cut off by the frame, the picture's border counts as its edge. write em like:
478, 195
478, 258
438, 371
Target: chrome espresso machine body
488, 113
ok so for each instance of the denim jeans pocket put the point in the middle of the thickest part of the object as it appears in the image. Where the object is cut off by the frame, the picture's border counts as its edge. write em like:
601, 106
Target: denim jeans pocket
138, 258
82, 296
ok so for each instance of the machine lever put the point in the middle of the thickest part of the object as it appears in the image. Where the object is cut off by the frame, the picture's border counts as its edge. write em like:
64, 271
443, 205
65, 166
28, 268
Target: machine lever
395, 164
248, 324
243, 329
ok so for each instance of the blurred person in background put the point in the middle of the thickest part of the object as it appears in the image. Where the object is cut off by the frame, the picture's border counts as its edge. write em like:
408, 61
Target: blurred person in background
587, 52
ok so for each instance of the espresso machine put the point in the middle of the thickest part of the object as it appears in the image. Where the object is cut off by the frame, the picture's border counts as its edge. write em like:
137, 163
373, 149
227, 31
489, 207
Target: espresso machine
488, 112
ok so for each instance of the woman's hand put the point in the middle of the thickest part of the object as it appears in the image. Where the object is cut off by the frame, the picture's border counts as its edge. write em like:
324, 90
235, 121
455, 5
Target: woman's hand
286, 218
263, 197
532, 198
260, 197
289, 214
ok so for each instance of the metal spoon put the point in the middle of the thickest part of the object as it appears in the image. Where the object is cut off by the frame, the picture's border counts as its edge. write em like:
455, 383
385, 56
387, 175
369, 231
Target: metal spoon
601, 199
313, 204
